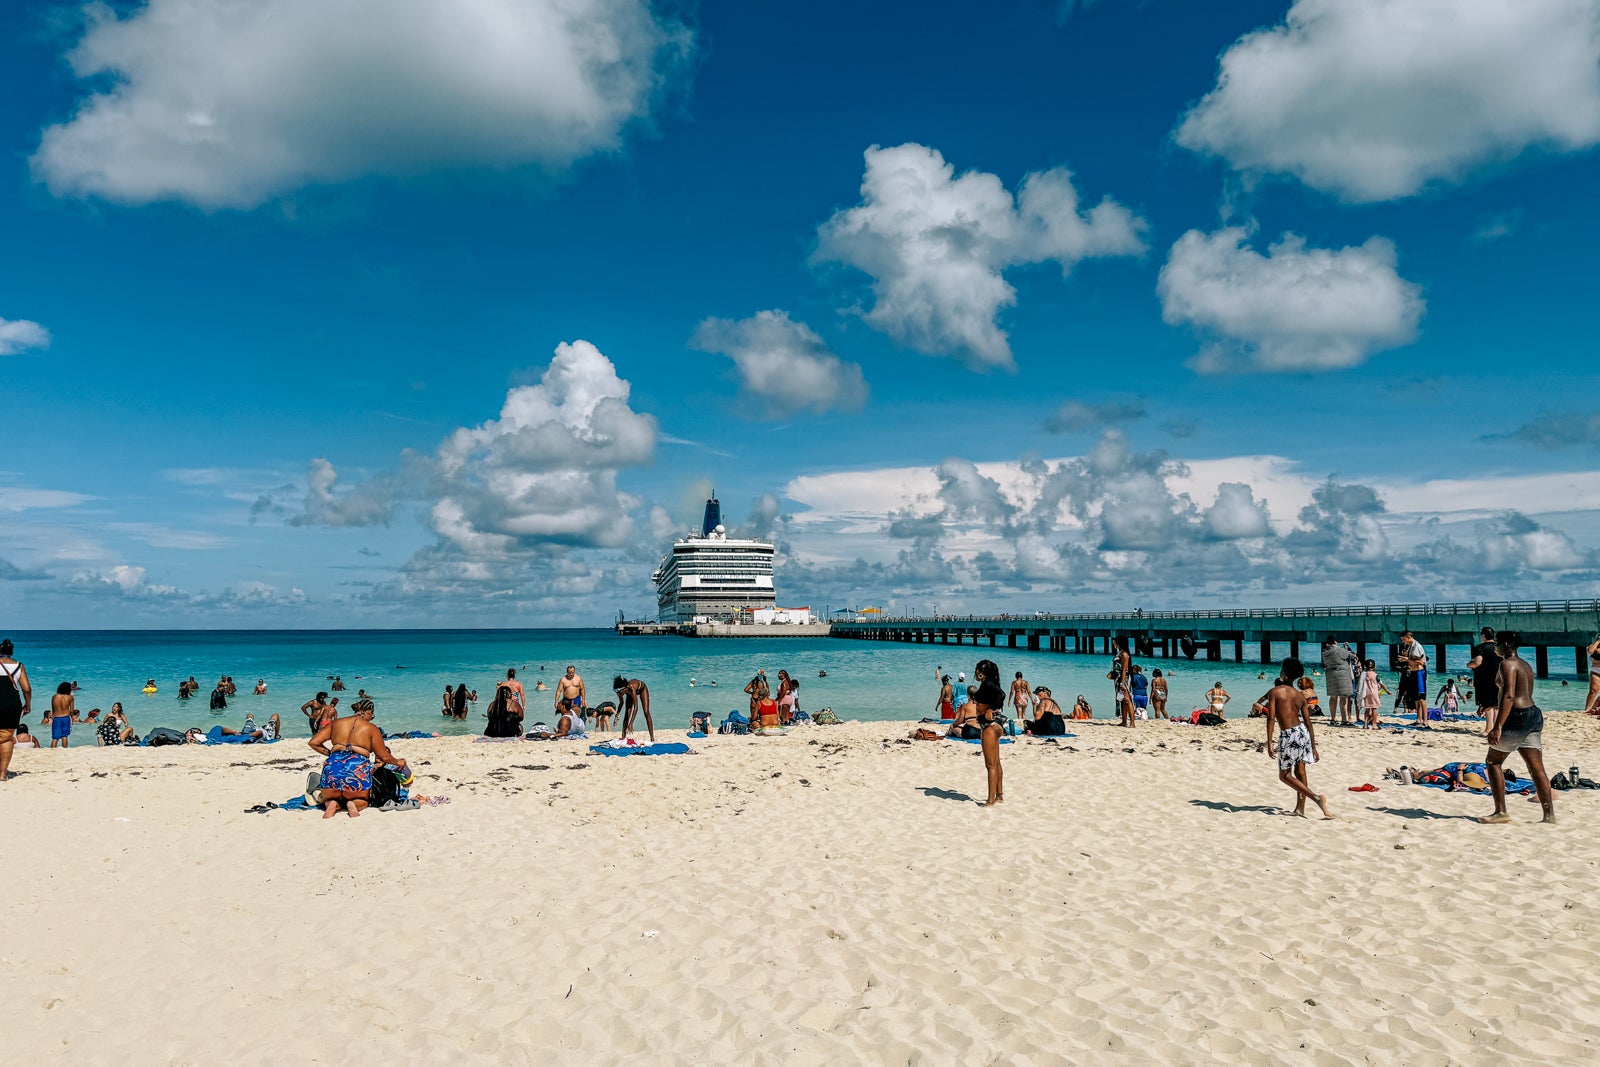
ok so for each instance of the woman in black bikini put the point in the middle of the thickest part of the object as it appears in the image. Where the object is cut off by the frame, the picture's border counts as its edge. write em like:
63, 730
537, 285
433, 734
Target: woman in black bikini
987, 706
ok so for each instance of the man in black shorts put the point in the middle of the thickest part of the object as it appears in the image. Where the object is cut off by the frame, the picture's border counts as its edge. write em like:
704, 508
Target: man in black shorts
1485, 667
1517, 725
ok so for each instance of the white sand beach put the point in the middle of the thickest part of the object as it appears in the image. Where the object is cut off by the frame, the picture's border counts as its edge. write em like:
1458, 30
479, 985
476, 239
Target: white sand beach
820, 898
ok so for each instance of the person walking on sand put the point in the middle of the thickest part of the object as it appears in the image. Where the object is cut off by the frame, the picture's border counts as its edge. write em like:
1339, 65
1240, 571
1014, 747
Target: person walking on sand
987, 705
16, 704
633, 696
1485, 668
1517, 726
1296, 748
1121, 671
1021, 696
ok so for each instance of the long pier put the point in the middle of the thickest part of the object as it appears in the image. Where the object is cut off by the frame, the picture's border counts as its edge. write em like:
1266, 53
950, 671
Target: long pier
1544, 625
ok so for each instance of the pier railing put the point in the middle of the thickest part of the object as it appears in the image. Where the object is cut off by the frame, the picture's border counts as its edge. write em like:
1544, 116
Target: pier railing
1482, 607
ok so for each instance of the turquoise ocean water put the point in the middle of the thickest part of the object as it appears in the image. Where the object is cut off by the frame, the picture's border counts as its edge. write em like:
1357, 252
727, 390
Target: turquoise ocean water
406, 671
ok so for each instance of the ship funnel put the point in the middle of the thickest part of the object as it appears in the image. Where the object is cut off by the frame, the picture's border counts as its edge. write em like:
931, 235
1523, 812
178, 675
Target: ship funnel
713, 517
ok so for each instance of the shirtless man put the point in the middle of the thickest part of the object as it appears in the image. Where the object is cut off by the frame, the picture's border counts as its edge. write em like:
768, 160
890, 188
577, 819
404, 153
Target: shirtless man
946, 704
633, 696
1297, 747
571, 687
1021, 696
63, 709
1516, 726
516, 699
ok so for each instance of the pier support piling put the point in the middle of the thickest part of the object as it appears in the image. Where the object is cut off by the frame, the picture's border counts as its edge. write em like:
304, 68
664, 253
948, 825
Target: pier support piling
1541, 661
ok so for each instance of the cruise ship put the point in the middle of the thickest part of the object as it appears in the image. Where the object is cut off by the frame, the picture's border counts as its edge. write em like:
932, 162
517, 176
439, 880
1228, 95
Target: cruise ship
713, 577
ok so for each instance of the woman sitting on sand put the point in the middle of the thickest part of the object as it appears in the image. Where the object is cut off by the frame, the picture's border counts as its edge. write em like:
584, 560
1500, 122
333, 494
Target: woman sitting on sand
348, 745
114, 729
1081, 708
966, 725
1047, 720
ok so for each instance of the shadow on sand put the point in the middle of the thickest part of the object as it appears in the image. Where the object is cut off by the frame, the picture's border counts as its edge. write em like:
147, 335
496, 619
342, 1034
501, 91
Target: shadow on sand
1222, 805
946, 794
1422, 813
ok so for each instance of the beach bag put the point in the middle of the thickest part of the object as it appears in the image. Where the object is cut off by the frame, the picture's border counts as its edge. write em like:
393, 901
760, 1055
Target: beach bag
163, 735
386, 788
925, 734
10, 702
1208, 718
826, 717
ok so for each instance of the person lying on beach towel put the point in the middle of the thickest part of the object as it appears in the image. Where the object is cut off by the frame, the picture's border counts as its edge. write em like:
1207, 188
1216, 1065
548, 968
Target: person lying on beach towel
1471, 777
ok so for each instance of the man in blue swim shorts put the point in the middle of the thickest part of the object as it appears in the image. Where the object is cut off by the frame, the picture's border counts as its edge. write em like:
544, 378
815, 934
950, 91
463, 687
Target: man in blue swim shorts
1414, 677
570, 687
62, 709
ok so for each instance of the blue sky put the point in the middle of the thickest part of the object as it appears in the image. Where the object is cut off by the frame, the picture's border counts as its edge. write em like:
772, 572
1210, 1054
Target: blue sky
439, 313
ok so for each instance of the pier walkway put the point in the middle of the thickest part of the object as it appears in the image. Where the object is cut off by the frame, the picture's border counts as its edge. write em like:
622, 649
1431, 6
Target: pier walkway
1544, 625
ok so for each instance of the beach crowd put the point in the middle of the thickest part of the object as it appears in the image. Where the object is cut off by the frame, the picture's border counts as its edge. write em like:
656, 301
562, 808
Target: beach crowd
1499, 685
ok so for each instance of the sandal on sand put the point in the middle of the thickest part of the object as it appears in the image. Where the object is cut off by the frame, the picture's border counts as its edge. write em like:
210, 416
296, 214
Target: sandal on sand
1368, 788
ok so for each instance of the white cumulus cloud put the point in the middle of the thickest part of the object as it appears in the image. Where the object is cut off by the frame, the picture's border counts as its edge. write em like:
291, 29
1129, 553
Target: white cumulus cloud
227, 105
783, 365
1293, 309
1237, 514
20, 335
1376, 99
545, 471
936, 246
542, 476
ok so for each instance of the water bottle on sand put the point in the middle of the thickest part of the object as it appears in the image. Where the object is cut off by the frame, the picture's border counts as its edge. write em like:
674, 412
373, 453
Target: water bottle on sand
1405, 776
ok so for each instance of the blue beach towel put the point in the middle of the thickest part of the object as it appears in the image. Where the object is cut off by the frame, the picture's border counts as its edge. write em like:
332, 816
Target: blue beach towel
1521, 785
409, 735
674, 748
215, 736
979, 740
